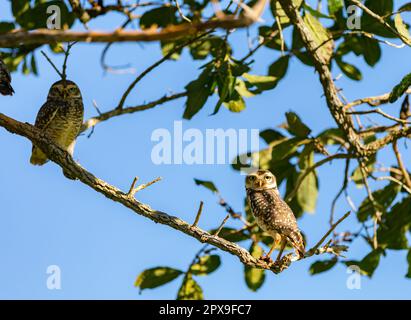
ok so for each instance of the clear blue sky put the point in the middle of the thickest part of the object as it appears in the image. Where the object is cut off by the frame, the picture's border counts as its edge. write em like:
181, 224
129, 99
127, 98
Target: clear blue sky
100, 245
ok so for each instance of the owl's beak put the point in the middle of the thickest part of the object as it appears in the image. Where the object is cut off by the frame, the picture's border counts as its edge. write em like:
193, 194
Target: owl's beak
259, 183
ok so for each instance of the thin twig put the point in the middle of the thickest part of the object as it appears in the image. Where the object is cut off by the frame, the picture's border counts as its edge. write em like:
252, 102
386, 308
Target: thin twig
133, 190
222, 225
52, 64
401, 164
153, 66
319, 243
200, 210
379, 111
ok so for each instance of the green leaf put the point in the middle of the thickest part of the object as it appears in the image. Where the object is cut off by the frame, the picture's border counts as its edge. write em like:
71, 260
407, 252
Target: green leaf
278, 11
254, 278
198, 92
405, 7
349, 70
316, 13
334, 6
237, 105
6, 27
160, 17
322, 266
19, 6
168, 47
278, 69
400, 89
408, 275
270, 135
200, 49
383, 200
322, 37
295, 126
308, 191
275, 41
155, 277
33, 64
402, 28
206, 265
285, 149
392, 231
331, 136
190, 290
371, 50
291, 174
231, 234
356, 175
36, 17
370, 262
206, 184
262, 83
383, 8
242, 89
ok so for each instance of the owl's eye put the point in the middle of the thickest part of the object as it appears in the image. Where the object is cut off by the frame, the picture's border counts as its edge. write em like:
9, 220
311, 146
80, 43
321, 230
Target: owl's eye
251, 178
268, 178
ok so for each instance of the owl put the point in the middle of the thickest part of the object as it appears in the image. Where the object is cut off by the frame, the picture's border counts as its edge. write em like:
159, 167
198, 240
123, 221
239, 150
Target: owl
5, 80
272, 214
60, 118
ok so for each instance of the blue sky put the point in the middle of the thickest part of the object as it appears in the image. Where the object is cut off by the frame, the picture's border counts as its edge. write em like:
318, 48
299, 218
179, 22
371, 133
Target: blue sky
100, 246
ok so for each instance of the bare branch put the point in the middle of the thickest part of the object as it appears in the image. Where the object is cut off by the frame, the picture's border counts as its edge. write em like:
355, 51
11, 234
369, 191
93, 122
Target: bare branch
44, 36
307, 171
372, 101
382, 21
64, 160
314, 249
379, 111
401, 164
90, 123
200, 210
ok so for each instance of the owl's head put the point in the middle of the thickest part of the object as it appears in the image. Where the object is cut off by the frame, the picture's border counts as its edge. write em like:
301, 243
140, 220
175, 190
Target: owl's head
63, 90
261, 180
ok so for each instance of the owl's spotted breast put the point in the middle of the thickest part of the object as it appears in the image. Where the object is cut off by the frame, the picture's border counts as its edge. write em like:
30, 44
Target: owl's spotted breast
60, 118
268, 208
274, 216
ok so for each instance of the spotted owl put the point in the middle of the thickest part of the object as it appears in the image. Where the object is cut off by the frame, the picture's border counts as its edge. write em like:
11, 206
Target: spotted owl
60, 118
272, 213
5, 80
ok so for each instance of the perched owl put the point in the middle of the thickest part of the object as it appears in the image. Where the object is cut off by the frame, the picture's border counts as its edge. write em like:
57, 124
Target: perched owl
5, 80
271, 212
60, 118
405, 112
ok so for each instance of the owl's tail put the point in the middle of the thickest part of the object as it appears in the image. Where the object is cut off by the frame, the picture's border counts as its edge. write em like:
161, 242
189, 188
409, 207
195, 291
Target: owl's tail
38, 158
5, 88
297, 242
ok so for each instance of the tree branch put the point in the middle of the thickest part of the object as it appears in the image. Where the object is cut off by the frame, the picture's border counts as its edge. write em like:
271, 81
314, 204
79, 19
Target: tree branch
64, 160
45, 36
372, 101
117, 112
335, 105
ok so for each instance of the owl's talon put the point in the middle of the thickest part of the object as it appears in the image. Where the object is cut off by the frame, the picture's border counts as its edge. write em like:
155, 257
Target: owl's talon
266, 258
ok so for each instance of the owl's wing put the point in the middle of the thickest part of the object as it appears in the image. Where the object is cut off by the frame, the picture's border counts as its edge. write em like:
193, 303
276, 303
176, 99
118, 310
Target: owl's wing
5, 80
47, 113
284, 221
